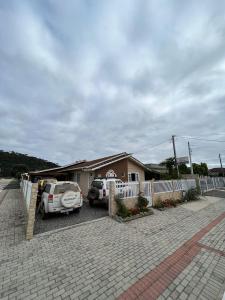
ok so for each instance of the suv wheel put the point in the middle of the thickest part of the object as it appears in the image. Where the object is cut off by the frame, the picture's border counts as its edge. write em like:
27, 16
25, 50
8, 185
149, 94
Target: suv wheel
91, 202
93, 194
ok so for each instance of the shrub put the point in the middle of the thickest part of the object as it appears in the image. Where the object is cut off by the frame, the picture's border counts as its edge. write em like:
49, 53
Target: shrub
122, 210
165, 203
191, 195
134, 211
169, 203
142, 203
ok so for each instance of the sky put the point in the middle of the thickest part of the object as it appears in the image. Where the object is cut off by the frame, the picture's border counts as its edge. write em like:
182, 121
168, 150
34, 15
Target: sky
90, 78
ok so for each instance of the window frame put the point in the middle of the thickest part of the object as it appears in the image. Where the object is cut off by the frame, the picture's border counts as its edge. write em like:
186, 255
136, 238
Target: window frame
136, 174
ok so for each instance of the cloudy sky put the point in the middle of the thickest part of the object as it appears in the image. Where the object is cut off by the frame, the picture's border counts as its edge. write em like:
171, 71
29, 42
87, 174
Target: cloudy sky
82, 79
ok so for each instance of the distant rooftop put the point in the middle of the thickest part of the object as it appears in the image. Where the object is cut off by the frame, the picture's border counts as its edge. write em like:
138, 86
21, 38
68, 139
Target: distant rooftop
156, 168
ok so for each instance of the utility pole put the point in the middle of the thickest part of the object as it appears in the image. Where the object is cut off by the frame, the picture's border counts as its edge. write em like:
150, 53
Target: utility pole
190, 151
221, 165
175, 155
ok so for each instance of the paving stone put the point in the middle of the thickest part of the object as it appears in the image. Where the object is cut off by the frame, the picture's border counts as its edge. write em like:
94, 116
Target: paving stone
101, 260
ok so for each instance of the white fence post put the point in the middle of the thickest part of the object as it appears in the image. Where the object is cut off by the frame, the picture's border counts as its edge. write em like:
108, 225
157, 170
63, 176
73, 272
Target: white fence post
206, 183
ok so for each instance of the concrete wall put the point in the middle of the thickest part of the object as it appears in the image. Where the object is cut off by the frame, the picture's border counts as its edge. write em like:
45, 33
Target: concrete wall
29, 191
134, 168
130, 202
164, 196
84, 178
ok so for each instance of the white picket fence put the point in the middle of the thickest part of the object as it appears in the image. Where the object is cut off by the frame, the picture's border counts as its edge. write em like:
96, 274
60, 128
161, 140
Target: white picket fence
127, 189
211, 183
165, 186
132, 189
26, 188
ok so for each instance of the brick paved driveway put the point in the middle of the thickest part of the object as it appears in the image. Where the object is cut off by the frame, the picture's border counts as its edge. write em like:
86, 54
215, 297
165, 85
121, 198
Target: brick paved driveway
56, 221
107, 260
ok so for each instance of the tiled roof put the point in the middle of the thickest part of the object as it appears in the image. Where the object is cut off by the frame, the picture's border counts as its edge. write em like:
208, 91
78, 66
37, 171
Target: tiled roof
84, 164
91, 165
97, 163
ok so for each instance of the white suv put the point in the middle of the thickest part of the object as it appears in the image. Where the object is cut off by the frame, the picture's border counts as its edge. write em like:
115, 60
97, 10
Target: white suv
100, 189
62, 196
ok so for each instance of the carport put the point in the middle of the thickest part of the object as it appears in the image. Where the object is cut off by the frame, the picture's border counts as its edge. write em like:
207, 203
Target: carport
57, 221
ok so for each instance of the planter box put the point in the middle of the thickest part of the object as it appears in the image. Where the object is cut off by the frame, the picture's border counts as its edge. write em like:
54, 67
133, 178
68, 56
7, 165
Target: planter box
142, 214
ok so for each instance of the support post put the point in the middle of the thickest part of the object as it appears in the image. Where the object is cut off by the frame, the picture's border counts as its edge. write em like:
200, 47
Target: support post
175, 155
152, 191
190, 159
31, 212
112, 201
221, 165
206, 183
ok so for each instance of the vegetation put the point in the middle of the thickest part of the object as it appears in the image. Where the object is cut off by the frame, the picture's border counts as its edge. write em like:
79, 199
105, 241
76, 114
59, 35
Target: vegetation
159, 204
122, 210
201, 169
191, 195
142, 203
13, 164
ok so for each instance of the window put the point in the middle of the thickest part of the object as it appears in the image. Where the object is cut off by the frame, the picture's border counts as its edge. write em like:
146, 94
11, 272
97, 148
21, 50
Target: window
78, 177
97, 184
133, 176
47, 188
62, 188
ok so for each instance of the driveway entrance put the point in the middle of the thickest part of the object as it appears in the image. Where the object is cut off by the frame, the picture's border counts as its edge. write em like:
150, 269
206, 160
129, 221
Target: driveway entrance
56, 221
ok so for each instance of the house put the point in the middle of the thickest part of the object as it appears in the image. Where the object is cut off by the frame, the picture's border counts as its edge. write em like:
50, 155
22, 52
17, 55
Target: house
155, 171
123, 166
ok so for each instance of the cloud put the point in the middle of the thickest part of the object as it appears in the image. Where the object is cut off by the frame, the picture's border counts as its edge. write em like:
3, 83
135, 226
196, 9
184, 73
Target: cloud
80, 80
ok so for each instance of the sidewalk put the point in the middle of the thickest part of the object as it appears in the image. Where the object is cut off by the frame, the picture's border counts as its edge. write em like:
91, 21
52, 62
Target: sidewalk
107, 260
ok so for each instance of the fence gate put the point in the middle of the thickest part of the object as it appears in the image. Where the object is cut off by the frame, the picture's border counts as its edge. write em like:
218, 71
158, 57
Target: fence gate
147, 190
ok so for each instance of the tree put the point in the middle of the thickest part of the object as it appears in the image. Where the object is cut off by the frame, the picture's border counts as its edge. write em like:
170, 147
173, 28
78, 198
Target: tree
184, 169
200, 169
170, 165
9, 159
18, 169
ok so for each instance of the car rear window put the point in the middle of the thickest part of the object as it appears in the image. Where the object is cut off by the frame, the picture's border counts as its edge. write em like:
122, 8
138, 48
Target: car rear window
62, 188
97, 184
47, 188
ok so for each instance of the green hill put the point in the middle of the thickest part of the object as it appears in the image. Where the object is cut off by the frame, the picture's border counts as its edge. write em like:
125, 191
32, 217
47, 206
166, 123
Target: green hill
13, 162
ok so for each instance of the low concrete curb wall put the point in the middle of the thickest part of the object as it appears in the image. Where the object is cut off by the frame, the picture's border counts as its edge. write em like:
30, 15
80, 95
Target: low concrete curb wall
176, 195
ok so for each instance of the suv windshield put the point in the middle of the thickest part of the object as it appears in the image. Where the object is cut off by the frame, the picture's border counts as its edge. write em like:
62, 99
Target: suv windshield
97, 184
62, 188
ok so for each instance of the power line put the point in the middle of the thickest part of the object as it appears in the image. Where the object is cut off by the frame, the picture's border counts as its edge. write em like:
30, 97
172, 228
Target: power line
151, 146
200, 139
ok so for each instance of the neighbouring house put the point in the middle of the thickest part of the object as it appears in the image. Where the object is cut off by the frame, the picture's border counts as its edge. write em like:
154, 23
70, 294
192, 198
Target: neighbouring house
122, 165
216, 171
155, 171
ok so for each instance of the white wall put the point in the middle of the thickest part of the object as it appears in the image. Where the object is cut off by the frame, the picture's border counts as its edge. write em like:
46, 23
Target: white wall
26, 188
